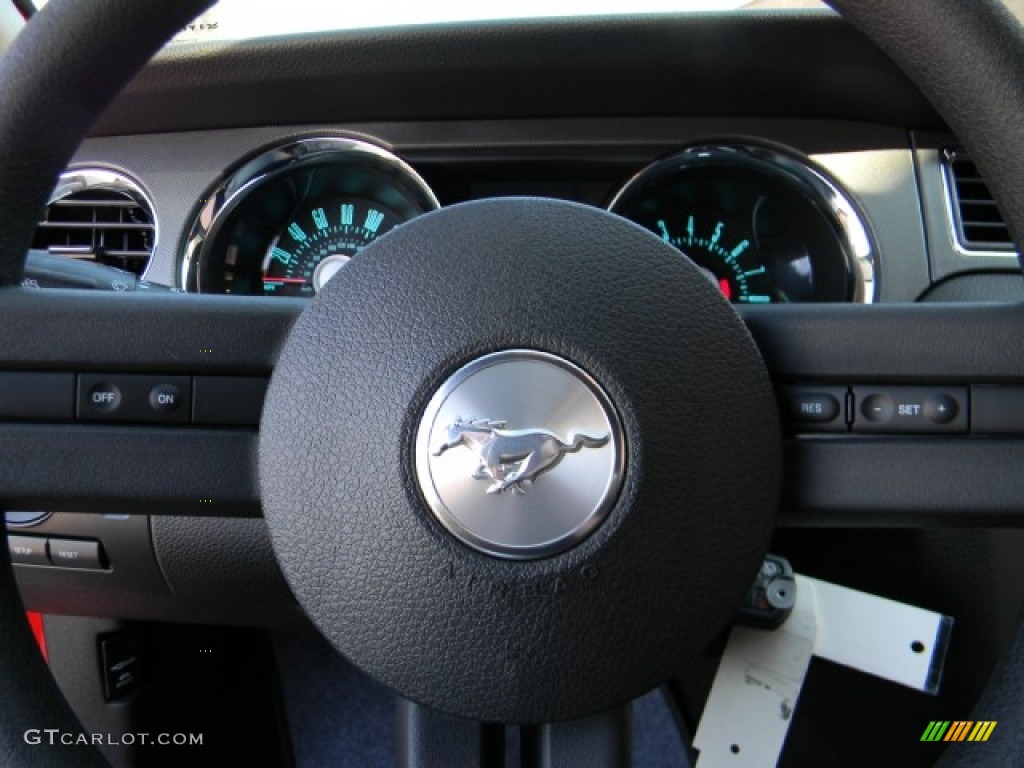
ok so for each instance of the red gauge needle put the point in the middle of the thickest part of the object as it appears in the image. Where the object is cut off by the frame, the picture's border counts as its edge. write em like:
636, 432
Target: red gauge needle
726, 289
289, 280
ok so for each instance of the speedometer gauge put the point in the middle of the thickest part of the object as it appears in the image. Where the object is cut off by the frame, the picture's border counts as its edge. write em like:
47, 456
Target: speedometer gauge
765, 226
318, 242
287, 220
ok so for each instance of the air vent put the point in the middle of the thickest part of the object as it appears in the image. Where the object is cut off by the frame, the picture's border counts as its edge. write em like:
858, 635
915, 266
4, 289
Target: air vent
99, 215
978, 224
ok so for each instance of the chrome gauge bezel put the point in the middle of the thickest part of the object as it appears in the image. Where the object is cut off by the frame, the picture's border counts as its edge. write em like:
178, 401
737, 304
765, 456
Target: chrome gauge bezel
813, 184
235, 188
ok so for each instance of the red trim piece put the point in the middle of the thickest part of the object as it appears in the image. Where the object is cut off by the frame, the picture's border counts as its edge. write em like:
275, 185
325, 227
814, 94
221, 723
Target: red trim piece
35, 621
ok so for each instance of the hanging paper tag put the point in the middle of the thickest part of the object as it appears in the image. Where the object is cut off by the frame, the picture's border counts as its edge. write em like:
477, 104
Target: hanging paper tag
755, 692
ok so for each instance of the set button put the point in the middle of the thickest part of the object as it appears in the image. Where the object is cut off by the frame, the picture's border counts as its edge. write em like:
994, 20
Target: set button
910, 410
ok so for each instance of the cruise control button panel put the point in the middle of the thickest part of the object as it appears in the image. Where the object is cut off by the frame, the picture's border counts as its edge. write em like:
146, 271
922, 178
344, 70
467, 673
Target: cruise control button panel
910, 410
884, 409
134, 398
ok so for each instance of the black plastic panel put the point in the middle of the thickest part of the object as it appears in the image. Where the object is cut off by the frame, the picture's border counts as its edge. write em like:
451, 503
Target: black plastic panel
136, 333
891, 344
997, 410
903, 482
37, 396
132, 470
228, 400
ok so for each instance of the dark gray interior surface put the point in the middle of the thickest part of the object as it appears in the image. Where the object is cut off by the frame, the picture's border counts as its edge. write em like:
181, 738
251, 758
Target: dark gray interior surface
541, 68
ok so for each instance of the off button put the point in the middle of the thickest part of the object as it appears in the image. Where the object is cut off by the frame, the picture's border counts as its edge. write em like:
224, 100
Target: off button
165, 398
104, 397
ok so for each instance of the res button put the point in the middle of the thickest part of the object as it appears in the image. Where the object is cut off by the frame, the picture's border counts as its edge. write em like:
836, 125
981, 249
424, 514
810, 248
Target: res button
816, 409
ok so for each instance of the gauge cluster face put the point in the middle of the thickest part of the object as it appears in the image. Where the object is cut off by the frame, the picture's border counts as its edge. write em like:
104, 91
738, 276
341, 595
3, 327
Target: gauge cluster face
765, 226
287, 221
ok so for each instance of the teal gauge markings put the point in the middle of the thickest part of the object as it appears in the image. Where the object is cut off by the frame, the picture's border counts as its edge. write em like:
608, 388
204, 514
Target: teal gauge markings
719, 248
327, 230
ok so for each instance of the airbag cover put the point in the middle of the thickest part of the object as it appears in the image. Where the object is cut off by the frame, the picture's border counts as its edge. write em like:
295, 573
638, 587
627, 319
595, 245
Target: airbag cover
482, 636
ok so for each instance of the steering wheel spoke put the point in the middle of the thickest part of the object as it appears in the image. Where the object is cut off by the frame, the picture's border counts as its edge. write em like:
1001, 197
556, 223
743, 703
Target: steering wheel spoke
891, 479
73, 464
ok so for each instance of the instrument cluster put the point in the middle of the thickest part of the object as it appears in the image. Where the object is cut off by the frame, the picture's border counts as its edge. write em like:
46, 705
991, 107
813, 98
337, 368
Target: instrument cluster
764, 224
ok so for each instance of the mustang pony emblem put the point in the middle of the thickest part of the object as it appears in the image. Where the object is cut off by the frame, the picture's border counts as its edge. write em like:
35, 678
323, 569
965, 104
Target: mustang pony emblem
511, 457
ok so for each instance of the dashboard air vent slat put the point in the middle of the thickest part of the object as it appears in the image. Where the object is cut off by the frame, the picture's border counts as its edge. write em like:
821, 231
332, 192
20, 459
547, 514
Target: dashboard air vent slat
977, 222
99, 215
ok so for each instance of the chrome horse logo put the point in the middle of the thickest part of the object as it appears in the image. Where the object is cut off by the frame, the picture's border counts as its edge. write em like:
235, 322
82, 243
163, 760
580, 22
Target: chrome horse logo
512, 457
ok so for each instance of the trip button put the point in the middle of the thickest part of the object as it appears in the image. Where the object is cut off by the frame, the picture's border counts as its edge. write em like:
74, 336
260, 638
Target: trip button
816, 409
27, 550
71, 553
910, 410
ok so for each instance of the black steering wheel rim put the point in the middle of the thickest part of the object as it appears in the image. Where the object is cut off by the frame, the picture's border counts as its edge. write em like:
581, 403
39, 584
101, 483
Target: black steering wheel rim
95, 46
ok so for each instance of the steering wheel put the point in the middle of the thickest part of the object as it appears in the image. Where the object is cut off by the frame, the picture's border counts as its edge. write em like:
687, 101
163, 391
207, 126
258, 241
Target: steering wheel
621, 548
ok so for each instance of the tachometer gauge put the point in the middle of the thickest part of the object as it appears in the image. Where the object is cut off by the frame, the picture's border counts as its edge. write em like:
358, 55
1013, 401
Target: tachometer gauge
726, 252
286, 221
764, 226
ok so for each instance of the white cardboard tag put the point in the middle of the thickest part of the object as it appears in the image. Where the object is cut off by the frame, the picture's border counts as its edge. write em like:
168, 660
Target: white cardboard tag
754, 695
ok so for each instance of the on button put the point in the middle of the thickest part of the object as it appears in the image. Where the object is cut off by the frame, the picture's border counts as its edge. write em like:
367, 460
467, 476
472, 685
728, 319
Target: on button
165, 398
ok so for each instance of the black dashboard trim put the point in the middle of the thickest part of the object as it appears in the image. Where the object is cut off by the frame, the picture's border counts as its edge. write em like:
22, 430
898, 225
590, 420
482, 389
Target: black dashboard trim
809, 64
